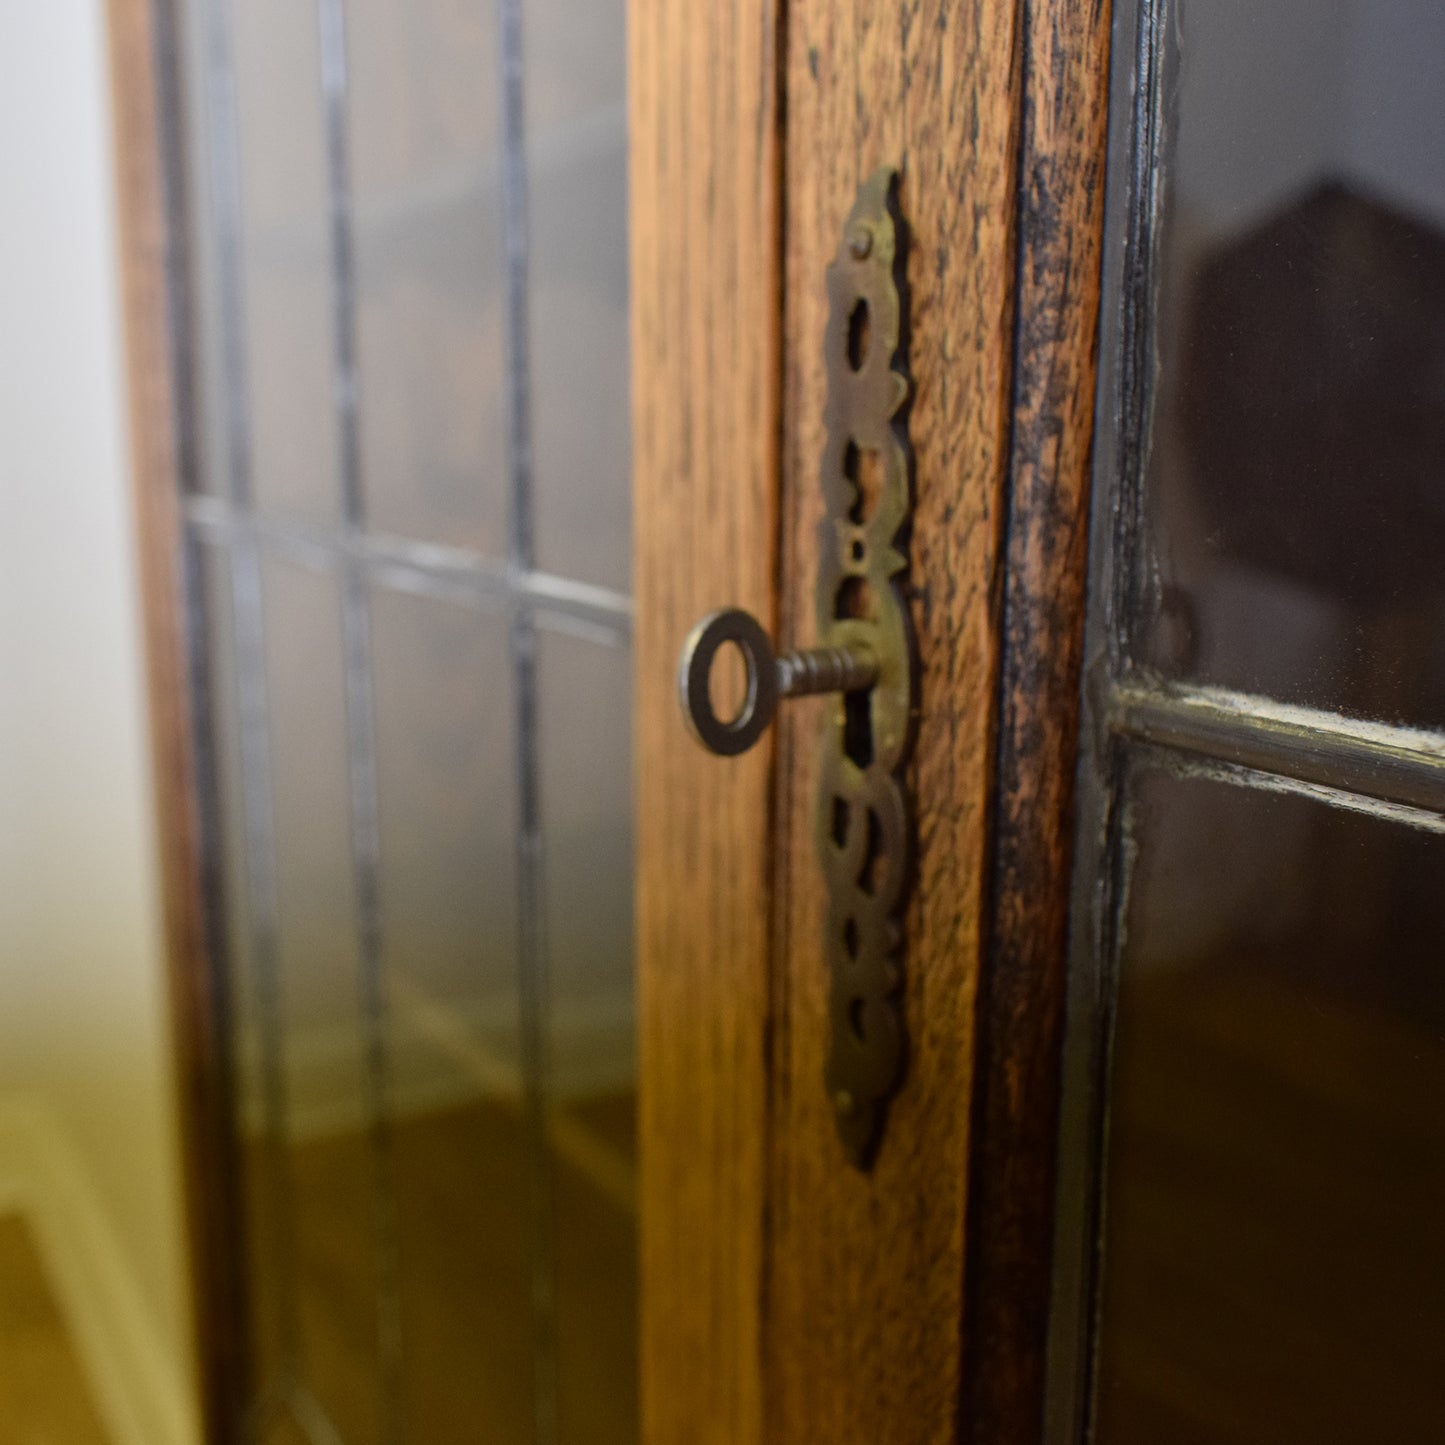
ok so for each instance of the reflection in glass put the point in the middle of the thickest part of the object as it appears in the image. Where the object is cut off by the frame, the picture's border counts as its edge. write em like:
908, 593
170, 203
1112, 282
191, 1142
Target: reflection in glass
426, 191
586, 751
1296, 464
577, 272
445, 771
253, 1064
1274, 1262
462, 1267
285, 277
333, 1171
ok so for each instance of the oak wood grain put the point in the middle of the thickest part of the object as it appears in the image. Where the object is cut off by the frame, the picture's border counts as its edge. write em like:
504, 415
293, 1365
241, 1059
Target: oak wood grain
865, 1320
142, 65
1065, 104
704, 176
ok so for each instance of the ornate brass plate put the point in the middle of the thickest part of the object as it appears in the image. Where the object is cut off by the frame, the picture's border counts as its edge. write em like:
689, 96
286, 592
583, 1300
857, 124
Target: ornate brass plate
865, 816
864, 656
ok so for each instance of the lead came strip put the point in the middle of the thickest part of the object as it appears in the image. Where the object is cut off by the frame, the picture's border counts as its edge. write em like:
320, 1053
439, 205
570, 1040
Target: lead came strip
360, 721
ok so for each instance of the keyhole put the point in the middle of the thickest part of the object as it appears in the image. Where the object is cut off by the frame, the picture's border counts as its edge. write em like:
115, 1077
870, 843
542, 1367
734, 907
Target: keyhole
860, 331
858, 727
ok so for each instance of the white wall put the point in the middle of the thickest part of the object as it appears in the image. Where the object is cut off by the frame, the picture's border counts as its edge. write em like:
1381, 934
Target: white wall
83, 1034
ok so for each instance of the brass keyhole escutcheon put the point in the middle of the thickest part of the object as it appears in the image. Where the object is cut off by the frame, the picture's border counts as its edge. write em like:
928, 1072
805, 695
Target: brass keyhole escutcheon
864, 656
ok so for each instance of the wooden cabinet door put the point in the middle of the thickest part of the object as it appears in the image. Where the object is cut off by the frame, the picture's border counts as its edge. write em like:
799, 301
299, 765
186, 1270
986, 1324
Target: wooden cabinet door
787, 1295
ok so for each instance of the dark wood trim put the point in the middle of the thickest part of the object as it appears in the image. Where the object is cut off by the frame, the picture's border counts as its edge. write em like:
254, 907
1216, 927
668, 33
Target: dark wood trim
1011, 1205
143, 78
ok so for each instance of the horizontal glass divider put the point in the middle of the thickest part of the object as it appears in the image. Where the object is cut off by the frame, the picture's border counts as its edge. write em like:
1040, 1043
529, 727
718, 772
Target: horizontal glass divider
402, 564
1395, 765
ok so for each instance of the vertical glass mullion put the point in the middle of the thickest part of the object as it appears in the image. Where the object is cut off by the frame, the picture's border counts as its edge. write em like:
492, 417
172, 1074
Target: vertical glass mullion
360, 719
258, 826
530, 863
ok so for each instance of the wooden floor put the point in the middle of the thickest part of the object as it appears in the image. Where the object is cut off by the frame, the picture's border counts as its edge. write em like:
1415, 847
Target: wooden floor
462, 1225
45, 1398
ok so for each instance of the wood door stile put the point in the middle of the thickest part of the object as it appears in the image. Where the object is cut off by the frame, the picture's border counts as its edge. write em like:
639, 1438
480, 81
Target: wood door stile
1010, 1216
704, 159
142, 64
865, 1278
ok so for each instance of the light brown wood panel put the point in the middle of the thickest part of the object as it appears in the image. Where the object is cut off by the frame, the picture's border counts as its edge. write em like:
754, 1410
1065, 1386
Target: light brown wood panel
141, 41
866, 1273
705, 334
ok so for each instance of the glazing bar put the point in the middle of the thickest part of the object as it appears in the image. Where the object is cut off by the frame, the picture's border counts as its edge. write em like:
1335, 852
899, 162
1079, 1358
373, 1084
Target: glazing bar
430, 568
360, 721
1395, 765
531, 942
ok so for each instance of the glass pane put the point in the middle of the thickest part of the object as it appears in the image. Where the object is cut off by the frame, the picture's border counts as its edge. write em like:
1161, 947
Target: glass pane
331, 1160
1274, 1264
305, 1160
586, 755
1296, 477
426, 178
577, 267
465, 1267
208, 374
446, 775
261, 1147
288, 300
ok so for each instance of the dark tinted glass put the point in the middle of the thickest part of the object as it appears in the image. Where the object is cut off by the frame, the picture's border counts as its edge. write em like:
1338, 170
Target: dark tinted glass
1295, 483
1274, 1263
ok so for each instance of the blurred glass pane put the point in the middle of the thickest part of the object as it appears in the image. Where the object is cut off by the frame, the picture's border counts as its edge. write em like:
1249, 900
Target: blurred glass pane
1296, 476
447, 780
464, 1234
1274, 1263
262, 1154
425, 116
584, 739
447, 785
201, 236
460, 1187
285, 259
332, 1162
576, 151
